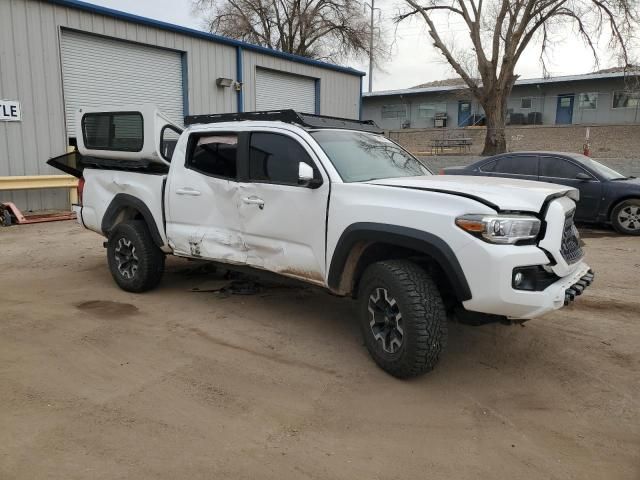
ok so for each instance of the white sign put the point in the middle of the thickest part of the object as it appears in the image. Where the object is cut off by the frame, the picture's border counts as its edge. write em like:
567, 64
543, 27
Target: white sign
10, 111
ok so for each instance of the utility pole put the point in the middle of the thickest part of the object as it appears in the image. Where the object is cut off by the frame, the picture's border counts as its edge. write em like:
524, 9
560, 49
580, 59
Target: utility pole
373, 9
371, 48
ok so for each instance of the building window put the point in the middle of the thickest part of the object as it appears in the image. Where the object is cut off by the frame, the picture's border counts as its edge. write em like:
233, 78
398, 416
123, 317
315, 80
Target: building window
394, 111
626, 99
588, 101
429, 110
566, 102
525, 103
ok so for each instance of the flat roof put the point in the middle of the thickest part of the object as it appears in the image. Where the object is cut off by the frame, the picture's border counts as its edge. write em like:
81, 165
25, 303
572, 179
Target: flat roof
129, 17
519, 82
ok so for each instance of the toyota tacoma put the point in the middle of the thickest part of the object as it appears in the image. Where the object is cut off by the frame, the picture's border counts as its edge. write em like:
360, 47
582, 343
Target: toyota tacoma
334, 203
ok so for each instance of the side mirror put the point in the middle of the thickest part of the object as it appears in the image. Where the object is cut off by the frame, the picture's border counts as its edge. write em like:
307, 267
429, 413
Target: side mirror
584, 177
306, 176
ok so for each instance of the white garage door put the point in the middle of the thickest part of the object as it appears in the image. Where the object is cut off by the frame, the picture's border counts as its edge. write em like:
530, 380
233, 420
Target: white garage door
276, 90
103, 72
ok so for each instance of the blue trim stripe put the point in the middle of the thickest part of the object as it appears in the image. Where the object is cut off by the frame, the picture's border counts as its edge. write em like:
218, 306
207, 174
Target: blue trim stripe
317, 106
185, 84
129, 17
239, 78
360, 106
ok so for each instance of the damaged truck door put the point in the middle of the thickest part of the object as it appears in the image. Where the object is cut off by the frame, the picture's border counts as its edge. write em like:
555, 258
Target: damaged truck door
203, 195
283, 216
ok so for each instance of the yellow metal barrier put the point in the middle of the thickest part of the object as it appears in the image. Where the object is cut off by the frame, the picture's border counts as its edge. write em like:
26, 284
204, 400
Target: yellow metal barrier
33, 182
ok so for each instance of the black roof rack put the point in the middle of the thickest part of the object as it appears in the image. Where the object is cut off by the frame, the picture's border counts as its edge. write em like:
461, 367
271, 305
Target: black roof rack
306, 120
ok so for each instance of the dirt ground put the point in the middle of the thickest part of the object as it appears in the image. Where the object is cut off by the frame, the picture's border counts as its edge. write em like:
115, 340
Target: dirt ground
99, 383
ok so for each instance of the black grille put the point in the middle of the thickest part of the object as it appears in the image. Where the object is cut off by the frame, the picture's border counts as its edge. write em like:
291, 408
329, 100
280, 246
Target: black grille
570, 247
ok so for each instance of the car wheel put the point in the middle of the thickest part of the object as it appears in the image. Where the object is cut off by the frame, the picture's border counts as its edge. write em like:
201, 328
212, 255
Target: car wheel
625, 217
135, 261
402, 317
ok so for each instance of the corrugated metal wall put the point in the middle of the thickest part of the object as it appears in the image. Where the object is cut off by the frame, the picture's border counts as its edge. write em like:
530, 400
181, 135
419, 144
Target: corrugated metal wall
30, 72
92, 75
339, 92
282, 90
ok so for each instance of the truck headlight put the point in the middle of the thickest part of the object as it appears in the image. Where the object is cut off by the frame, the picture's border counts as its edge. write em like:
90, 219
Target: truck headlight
504, 229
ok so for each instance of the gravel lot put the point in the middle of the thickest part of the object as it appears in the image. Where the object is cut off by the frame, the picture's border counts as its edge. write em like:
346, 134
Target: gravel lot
102, 384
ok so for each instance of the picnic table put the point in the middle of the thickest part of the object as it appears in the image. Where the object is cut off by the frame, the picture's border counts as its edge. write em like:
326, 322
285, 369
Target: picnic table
461, 143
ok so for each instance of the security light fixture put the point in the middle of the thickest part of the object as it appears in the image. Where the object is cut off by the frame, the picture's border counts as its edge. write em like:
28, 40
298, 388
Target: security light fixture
224, 82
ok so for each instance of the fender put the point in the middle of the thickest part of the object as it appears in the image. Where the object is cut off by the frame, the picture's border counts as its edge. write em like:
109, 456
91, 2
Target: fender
405, 237
124, 200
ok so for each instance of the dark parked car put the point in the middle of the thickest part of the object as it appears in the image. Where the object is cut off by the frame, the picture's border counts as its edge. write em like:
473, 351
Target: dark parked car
606, 196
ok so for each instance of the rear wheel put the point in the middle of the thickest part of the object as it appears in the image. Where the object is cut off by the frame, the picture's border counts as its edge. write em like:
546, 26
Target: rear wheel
135, 261
625, 217
402, 317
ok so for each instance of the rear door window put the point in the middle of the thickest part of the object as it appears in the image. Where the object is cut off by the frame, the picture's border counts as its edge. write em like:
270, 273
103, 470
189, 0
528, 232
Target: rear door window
214, 154
117, 131
557, 167
517, 165
488, 167
274, 158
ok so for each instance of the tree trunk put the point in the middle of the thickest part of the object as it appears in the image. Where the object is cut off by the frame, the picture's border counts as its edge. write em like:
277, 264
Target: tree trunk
495, 140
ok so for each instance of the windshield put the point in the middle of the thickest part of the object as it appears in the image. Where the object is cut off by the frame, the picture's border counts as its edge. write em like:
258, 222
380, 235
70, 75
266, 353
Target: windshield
360, 156
601, 170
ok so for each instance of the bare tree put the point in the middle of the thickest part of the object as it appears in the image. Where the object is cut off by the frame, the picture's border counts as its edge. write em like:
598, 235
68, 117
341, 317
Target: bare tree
322, 29
501, 30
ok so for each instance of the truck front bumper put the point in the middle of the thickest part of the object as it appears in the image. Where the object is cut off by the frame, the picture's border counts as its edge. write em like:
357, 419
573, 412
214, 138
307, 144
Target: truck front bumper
489, 271
577, 288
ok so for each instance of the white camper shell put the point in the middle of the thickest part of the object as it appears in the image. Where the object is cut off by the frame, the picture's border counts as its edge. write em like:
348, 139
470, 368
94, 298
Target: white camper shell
138, 132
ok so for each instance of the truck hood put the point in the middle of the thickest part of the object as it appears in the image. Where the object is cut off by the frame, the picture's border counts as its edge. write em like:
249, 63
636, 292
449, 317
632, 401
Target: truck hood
499, 193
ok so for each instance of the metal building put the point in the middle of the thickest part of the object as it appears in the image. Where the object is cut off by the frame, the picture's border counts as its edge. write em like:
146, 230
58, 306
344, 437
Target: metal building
56, 55
607, 98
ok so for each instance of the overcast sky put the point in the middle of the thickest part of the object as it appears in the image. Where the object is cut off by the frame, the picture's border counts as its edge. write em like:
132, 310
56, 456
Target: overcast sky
414, 60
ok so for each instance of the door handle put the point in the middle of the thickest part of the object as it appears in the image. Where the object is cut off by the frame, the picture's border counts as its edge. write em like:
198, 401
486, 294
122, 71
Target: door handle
254, 201
187, 191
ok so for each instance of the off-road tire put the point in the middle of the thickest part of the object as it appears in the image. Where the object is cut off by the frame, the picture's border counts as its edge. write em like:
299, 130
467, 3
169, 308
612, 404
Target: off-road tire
634, 203
423, 317
149, 258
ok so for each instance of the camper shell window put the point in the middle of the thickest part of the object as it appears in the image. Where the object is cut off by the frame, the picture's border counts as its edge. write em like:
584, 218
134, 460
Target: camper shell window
117, 131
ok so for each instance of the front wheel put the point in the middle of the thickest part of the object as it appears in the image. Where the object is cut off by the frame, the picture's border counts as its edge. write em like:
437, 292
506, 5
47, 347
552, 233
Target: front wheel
135, 261
625, 217
402, 317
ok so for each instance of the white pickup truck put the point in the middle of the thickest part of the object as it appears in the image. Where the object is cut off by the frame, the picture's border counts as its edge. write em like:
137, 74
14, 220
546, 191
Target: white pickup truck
334, 203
